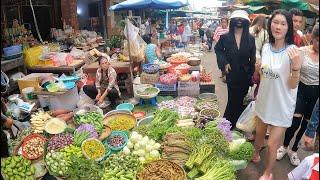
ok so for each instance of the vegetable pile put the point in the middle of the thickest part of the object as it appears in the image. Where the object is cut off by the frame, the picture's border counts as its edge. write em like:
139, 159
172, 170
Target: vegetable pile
176, 148
93, 118
120, 122
55, 126
162, 169
57, 163
206, 105
33, 148
168, 79
59, 141
16, 167
38, 121
241, 150
15, 143
116, 141
121, 166
93, 149
205, 77
143, 147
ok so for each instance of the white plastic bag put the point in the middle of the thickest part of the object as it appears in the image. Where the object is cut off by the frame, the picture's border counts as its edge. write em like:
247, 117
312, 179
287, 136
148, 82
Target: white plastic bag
247, 120
84, 99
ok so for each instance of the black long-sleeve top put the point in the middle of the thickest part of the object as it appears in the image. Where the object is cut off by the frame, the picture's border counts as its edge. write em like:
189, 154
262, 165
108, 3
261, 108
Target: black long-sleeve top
242, 61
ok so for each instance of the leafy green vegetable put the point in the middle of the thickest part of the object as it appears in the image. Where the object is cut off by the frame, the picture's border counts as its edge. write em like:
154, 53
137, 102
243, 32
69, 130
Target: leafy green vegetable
198, 155
193, 173
93, 118
163, 120
222, 169
217, 140
79, 137
83, 168
242, 151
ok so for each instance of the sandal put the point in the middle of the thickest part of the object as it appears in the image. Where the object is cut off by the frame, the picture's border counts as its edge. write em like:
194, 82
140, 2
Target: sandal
256, 159
263, 177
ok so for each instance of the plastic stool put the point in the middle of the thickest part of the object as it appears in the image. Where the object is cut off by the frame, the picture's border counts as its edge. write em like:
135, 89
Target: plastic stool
152, 101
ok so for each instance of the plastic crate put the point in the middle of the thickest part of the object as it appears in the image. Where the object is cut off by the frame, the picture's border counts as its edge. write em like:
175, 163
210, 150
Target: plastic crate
12, 50
165, 87
207, 88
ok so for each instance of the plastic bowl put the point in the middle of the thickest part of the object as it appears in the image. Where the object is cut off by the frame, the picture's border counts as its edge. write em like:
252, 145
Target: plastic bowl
146, 120
208, 97
125, 106
117, 133
139, 114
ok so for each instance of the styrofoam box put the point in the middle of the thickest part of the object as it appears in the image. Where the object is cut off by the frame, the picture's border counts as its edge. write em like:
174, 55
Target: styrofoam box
67, 100
189, 92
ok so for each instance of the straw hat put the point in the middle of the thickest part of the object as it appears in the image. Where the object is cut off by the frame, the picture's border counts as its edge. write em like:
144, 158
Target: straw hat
240, 14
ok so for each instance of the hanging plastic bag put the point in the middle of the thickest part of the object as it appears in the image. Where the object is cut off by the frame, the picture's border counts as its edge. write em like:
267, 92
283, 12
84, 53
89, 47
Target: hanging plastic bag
249, 97
247, 120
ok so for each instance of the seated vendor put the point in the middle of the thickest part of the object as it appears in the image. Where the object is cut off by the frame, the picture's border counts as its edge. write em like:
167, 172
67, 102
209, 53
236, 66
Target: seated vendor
105, 84
152, 52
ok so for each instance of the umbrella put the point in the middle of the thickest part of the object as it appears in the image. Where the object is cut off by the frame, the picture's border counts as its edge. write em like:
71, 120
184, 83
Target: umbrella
153, 4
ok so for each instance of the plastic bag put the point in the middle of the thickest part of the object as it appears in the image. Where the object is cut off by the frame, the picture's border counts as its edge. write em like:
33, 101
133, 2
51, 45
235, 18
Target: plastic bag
62, 59
32, 56
137, 44
247, 120
84, 100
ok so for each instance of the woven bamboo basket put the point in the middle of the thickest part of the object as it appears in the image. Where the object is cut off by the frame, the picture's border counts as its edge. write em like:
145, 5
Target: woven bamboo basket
149, 78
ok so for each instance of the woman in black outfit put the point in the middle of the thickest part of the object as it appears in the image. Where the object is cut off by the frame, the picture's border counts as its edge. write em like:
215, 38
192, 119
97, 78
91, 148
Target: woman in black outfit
237, 52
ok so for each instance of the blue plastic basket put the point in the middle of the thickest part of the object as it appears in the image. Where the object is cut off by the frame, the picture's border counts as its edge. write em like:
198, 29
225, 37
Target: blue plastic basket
125, 106
115, 133
12, 50
151, 68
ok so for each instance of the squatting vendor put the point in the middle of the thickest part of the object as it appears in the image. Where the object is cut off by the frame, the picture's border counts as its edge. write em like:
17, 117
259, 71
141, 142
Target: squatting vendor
105, 84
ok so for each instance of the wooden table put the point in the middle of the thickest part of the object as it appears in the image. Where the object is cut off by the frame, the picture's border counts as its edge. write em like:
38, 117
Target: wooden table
120, 67
13, 65
71, 69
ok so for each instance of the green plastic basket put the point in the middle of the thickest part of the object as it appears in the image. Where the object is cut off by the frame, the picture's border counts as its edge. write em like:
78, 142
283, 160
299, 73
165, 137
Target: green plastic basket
119, 133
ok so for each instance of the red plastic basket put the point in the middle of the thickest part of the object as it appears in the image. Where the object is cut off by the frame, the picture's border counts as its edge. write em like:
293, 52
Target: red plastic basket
25, 141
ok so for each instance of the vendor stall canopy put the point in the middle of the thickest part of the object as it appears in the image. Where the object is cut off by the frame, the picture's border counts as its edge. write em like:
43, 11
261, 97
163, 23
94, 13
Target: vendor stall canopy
153, 4
266, 6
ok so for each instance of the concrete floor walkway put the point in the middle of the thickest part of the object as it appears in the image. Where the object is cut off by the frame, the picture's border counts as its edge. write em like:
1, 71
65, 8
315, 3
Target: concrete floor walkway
253, 171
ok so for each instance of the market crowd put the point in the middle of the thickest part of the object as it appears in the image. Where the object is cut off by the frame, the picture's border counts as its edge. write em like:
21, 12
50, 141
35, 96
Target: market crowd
275, 55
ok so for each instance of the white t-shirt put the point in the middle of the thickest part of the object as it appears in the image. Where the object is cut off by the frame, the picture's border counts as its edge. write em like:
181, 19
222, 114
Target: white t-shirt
276, 101
303, 171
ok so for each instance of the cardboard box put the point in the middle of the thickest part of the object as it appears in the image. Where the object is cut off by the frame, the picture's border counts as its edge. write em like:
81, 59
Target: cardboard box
31, 80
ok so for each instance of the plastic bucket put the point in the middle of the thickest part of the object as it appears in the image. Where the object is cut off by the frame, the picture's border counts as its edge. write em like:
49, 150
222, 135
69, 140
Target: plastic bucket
28, 93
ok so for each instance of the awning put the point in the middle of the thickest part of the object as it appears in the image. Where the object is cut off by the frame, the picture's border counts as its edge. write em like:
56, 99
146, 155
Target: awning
151, 4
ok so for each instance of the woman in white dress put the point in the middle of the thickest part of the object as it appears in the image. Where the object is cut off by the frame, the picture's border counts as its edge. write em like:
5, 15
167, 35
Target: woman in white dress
279, 77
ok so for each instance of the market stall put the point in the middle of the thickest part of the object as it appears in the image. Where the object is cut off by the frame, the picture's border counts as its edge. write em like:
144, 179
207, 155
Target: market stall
184, 135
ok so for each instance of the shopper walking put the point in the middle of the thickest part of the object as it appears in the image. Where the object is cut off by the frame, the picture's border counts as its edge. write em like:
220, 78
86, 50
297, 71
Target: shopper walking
308, 93
237, 53
297, 18
258, 30
275, 103
221, 30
